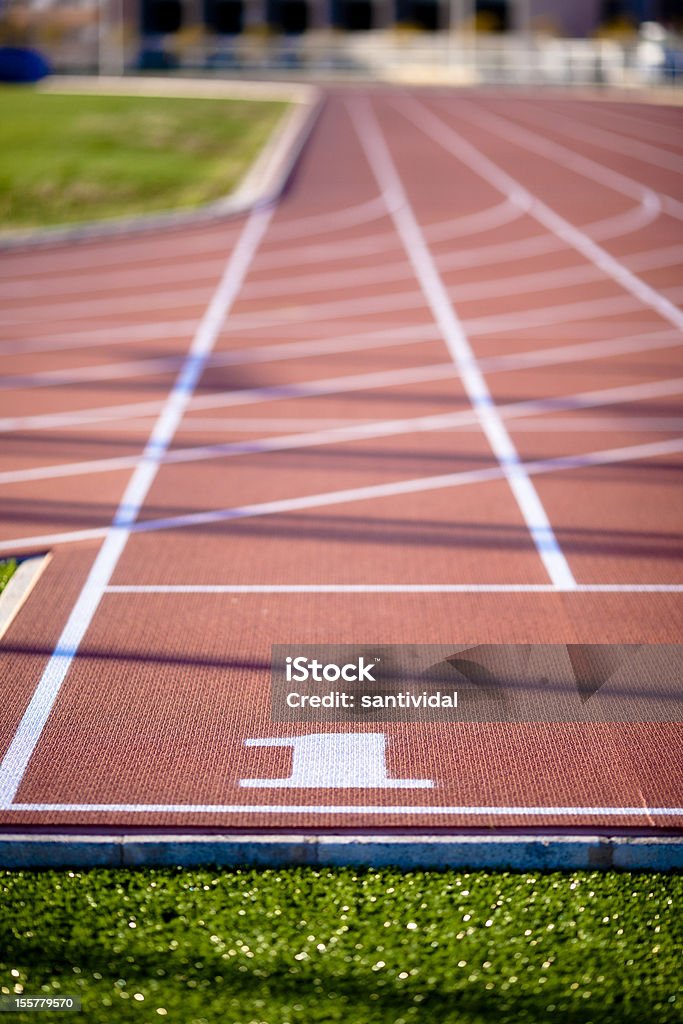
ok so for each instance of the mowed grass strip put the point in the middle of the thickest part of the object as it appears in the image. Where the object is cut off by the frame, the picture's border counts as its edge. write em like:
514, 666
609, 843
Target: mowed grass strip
70, 158
7, 569
300, 946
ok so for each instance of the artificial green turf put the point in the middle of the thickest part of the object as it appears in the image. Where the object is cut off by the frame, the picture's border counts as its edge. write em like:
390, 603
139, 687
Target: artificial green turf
73, 158
302, 946
7, 570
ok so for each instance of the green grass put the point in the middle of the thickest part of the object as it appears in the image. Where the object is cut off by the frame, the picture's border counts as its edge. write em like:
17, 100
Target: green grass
65, 159
7, 570
302, 946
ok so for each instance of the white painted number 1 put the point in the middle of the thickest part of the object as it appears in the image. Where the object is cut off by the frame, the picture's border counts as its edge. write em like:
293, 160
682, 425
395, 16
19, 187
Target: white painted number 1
334, 760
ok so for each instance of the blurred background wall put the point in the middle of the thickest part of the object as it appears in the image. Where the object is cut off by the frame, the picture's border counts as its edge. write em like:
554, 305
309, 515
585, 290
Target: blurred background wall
516, 41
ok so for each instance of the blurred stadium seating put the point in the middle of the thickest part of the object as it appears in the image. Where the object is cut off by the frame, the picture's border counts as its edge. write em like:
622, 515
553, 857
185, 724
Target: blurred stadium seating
528, 42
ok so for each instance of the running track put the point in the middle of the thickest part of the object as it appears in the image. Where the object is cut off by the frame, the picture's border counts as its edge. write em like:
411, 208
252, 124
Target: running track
432, 396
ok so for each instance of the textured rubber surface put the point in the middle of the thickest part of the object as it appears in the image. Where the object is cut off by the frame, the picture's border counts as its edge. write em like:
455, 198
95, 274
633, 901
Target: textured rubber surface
445, 376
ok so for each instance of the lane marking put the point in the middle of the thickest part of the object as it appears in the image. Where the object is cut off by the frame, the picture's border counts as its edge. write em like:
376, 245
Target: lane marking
172, 298
519, 284
393, 588
645, 126
610, 422
502, 446
361, 430
313, 224
588, 168
175, 298
465, 152
405, 810
125, 334
379, 339
410, 486
113, 252
60, 282
247, 396
35, 717
414, 486
603, 138
334, 760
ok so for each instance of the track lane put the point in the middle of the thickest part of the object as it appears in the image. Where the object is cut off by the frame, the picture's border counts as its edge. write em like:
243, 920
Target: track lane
470, 532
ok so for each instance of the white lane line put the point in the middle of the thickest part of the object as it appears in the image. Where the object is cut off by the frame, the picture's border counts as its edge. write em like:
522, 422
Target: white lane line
35, 717
331, 220
583, 351
89, 374
539, 281
591, 168
603, 138
308, 313
97, 280
648, 259
372, 245
608, 422
569, 158
385, 338
403, 810
643, 127
419, 485
454, 143
346, 433
601, 425
331, 434
464, 224
627, 222
294, 289
395, 588
655, 259
605, 457
122, 334
391, 338
114, 252
464, 360
64, 283
247, 396
643, 213
171, 298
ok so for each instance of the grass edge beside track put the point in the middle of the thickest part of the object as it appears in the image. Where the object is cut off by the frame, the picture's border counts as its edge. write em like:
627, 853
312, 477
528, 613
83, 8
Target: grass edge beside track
304, 945
75, 158
8, 567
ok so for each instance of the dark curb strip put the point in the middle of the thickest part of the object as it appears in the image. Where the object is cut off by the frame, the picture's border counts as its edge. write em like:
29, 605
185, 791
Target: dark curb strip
519, 853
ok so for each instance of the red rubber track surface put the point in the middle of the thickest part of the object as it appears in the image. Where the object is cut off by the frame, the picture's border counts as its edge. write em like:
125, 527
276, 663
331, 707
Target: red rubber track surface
333, 327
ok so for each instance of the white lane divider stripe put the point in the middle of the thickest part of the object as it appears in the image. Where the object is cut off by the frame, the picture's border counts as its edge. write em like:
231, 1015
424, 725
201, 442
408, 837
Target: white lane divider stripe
35, 717
463, 357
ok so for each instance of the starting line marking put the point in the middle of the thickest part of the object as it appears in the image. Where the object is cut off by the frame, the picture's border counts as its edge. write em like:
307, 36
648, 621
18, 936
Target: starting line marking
334, 760
396, 588
402, 809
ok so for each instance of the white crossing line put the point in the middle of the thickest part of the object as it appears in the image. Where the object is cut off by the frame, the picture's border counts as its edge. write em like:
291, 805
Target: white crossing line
332, 435
362, 430
246, 396
410, 486
435, 293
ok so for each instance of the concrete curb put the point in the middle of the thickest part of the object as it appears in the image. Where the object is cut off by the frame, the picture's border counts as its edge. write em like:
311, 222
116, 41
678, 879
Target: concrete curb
262, 184
510, 852
21, 584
